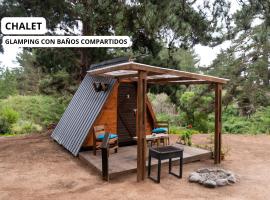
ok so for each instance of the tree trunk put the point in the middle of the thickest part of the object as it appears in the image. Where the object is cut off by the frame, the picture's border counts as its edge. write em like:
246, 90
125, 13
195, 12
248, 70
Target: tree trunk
85, 60
87, 30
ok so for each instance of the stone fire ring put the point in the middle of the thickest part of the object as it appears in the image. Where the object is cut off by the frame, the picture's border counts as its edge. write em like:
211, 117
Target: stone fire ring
212, 177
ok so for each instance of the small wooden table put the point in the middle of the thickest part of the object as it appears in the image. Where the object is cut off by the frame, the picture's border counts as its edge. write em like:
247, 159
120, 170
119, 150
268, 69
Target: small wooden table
156, 139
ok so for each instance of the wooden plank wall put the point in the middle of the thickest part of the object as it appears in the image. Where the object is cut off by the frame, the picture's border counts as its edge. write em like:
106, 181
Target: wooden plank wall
108, 117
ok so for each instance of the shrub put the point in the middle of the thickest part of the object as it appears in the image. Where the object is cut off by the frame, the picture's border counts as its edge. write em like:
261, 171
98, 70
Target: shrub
162, 104
184, 134
43, 110
257, 123
182, 130
174, 120
23, 127
8, 117
32, 113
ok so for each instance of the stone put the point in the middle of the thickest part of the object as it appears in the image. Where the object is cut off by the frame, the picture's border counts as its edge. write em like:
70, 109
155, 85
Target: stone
210, 184
194, 177
222, 182
231, 179
203, 170
212, 177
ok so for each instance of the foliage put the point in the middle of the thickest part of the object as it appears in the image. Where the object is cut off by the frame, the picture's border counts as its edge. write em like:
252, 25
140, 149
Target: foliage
246, 62
225, 150
8, 117
184, 134
8, 82
174, 119
24, 127
162, 35
34, 111
255, 124
182, 130
176, 24
34, 78
29, 74
55, 84
162, 104
185, 138
232, 120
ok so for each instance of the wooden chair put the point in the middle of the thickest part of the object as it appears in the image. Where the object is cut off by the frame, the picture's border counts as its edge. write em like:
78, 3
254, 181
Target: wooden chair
100, 130
163, 124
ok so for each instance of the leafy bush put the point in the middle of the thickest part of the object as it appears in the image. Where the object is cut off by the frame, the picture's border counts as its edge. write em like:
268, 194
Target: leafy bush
8, 83
57, 83
232, 122
40, 109
255, 124
182, 130
174, 120
162, 104
184, 134
8, 117
23, 127
32, 112
186, 138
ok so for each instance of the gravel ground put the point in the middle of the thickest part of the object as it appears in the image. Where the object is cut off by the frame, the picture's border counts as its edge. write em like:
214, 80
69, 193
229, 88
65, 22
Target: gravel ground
35, 167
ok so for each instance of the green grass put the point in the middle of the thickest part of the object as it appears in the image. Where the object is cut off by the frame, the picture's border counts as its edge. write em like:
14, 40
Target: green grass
232, 122
34, 113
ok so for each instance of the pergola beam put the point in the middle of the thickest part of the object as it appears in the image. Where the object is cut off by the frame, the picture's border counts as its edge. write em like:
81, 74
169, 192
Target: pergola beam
162, 80
139, 66
184, 82
158, 70
128, 76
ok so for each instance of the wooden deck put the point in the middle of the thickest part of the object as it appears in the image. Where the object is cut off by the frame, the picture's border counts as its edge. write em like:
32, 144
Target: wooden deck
125, 161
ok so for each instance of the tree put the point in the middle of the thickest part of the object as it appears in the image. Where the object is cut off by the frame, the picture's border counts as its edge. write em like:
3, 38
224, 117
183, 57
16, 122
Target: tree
148, 23
246, 62
8, 82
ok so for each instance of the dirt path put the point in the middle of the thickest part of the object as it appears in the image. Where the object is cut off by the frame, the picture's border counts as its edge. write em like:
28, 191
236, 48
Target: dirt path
35, 167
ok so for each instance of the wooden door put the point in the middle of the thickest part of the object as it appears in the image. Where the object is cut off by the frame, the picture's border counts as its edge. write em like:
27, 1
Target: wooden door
126, 120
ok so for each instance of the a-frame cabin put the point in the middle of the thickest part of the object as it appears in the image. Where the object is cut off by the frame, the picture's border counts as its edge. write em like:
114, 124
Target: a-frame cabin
115, 108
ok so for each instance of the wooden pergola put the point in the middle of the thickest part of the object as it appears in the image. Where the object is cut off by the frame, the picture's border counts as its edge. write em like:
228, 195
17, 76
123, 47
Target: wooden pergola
143, 74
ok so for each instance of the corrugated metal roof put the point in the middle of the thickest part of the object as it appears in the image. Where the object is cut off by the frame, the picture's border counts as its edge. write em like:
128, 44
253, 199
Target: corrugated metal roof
81, 113
109, 62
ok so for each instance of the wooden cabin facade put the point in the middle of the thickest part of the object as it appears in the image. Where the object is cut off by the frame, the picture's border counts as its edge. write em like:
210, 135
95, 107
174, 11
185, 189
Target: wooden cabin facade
119, 114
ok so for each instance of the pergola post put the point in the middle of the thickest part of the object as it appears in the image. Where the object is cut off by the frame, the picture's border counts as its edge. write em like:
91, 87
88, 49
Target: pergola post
218, 126
140, 125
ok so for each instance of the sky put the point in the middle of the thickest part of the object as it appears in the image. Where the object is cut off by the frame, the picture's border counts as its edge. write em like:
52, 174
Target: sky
205, 54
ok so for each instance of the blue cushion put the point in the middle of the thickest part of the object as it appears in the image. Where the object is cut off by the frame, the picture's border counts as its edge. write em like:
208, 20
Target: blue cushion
160, 130
111, 136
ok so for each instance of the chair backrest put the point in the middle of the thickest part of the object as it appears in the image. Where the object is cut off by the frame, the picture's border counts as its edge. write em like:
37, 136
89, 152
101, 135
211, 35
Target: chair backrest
100, 129
163, 124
